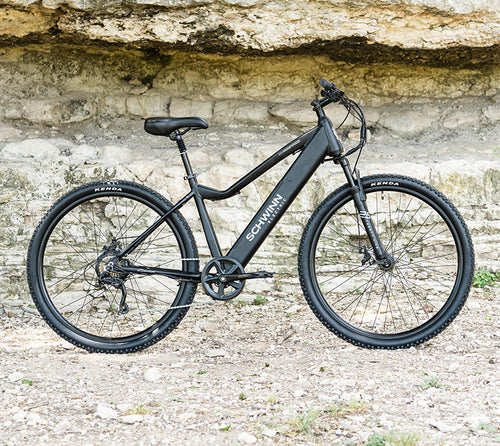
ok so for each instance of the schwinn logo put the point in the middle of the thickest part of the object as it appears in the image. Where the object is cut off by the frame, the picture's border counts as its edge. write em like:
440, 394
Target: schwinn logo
267, 216
108, 188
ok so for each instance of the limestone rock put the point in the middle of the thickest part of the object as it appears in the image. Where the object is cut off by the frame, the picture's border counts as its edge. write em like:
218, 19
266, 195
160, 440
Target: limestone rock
492, 113
106, 411
297, 113
30, 148
259, 24
406, 122
237, 112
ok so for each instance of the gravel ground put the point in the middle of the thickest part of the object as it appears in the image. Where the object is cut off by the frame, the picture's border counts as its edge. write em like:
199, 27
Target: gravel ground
241, 373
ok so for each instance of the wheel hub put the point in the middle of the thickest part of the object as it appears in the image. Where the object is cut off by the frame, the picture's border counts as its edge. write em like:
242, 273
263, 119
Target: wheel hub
109, 273
386, 264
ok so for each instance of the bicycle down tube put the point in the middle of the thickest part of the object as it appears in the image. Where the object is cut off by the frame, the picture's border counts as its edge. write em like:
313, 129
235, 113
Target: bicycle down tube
281, 197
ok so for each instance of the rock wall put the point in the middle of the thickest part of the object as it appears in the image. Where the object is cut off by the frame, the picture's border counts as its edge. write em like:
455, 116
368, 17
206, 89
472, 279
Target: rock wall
63, 84
256, 24
38, 168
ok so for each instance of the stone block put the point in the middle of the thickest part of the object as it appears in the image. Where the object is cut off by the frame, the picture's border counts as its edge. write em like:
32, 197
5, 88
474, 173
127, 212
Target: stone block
235, 112
83, 154
180, 107
461, 119
406, 122
113, 105
8, 133
298, 113
242, 157
31, 148
492, 113
116, 155
56, 111
467, 184
22, 22
147, 105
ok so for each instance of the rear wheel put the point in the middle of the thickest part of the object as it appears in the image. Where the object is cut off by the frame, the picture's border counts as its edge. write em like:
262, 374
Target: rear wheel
372, 305
72, 267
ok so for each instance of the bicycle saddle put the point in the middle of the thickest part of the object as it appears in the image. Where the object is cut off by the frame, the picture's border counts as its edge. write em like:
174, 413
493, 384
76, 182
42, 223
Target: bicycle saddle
165, 126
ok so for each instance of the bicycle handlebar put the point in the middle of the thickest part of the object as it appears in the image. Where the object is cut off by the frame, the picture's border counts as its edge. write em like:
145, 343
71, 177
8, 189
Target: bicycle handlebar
326, 84
331, 93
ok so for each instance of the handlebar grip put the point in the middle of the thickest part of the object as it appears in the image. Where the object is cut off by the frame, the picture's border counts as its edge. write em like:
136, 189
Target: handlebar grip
326, 84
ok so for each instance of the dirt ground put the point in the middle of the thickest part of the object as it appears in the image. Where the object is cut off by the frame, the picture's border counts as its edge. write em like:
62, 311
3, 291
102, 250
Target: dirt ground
248, 372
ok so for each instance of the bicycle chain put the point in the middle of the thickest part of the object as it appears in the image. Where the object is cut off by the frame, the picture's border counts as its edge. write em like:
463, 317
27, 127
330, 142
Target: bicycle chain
179, 307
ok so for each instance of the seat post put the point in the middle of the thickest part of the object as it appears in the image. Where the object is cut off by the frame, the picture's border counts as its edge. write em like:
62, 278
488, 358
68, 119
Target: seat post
177, 137
210, 235
190, 175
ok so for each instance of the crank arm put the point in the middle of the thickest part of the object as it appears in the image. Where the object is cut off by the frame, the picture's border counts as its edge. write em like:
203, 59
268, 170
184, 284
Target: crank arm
246, 276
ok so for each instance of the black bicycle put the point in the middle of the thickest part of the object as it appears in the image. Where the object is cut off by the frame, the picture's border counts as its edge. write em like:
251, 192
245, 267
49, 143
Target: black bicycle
385, 261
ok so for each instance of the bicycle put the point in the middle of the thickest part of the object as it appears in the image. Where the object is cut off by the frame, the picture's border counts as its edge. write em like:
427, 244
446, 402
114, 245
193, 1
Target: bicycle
385, 261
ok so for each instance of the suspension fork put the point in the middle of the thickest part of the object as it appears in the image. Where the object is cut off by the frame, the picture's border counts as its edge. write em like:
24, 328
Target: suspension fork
359, 197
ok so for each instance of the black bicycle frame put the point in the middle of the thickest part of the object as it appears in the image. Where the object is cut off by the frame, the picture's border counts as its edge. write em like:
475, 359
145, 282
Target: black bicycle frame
314, 146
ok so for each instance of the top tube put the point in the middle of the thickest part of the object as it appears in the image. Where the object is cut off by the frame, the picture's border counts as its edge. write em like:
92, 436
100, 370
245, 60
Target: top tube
291, 148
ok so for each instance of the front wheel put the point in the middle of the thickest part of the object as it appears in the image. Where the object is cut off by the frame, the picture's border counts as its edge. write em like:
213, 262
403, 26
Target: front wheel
74, 267
372, 305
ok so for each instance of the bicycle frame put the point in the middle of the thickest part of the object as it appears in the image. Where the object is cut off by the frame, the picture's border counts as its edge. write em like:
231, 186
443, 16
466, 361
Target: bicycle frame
315, 146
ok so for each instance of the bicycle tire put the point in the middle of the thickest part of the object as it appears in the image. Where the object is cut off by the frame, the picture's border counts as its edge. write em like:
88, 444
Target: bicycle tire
69, 251
397, 308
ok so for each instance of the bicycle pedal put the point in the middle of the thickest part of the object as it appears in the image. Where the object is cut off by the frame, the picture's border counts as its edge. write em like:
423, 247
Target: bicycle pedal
262, 275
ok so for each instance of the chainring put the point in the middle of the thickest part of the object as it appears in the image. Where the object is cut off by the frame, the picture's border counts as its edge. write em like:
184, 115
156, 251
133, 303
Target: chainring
215, 281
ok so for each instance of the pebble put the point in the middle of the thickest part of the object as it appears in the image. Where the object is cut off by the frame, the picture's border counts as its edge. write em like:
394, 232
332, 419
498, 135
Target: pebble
16, 376
105, 411
294, 309
299, 393
152, 374
33, 418
186, 416
247, 438
267, 432
131, 419
281, 383
475, 420
216, 352
19, 416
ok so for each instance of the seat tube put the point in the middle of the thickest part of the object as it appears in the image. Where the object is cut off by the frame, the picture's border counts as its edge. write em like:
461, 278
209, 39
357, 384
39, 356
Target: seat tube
360, 202
206, 223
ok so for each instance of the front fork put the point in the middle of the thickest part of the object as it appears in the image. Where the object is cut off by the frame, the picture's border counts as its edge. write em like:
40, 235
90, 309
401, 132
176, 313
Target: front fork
382, 258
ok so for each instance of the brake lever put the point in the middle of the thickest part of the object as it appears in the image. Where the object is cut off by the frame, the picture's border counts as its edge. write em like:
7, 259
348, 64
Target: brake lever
334, 95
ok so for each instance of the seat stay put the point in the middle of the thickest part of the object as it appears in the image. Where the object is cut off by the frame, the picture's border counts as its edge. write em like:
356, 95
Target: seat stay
138, 240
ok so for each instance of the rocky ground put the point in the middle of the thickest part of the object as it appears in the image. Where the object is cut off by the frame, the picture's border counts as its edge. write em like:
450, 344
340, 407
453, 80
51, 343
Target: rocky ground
254, 371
